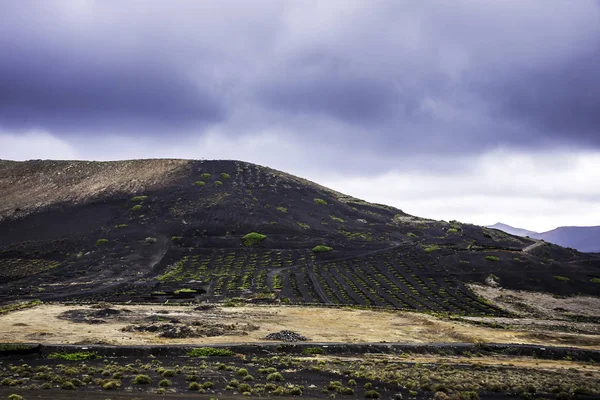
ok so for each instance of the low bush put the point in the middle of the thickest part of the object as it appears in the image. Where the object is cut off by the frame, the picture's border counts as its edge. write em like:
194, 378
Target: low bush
282, 209
138, 199
274, 377
165, 383
141, 380
372, 394
185, 291
321, 202
205, 175
492, 258
337, 219
100, 242
313, 351
77, 356
431, 248
303, 225
561, 278
199, 183
111, 385
121, 226
210, 352
15, 397
225, 176
595, 280
321, 249
253, 238
137, 207
218, 183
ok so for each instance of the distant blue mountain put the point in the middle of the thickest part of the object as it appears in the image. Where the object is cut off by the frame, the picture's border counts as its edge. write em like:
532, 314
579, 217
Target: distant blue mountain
582, 238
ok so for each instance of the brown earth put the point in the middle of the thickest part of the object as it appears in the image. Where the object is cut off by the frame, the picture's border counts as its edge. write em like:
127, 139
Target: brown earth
45, 324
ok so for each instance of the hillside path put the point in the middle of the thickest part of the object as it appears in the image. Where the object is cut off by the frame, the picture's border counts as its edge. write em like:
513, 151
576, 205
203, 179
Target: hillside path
533, 246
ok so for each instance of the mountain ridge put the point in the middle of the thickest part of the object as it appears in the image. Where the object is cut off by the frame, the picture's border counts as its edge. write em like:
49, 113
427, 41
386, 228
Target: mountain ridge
158, 230
582, 238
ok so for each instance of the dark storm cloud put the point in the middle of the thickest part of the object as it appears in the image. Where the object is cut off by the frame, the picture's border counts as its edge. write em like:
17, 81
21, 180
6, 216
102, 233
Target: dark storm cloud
387, 78
560, 101
64, 95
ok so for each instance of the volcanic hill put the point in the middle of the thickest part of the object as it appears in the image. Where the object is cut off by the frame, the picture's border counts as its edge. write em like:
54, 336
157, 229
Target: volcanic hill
177, 230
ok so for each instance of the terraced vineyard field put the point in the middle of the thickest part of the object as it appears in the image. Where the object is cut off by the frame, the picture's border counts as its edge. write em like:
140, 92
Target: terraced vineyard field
403, 277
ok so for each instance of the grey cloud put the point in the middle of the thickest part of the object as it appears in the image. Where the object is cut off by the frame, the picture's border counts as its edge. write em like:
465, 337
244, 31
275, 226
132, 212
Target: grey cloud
391, 81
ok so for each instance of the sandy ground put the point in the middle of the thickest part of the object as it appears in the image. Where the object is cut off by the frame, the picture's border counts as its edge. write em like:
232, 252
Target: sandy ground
539, 304
41, 325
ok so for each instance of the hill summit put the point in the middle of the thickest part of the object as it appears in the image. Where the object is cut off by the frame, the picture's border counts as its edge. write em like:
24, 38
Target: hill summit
188, 230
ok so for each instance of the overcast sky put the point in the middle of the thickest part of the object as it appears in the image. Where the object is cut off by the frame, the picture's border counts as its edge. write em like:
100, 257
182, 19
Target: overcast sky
481, 111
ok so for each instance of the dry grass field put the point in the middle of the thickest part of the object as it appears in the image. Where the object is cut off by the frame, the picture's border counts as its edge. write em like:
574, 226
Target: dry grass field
52, 324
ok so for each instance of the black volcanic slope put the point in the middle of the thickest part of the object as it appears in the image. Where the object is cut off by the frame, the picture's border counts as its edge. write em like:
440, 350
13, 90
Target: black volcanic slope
158, 230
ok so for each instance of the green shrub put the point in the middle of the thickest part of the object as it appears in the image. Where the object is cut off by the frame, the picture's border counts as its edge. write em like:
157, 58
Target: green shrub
137, 207
210, 352
336, 219
15, 397
165, 383
452, 230
313, 350
121, 226
225, 176
321, 202
372, 394
410, 234
8, 382
111, 385
77, 356
303, 225
168, 373
194, 386
67, 385
141, 380
253, 238
138, 199
274, 377
296, 391
492, 258
242, 371
207, 385
595, 280
218, 183
199, 183
282, 209
205, 175
100, 242
561, 278
431, 248
321, 249
185, 291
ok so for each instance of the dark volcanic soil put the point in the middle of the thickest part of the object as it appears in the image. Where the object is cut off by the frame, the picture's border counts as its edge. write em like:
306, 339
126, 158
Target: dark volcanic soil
76, 231
313, 374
